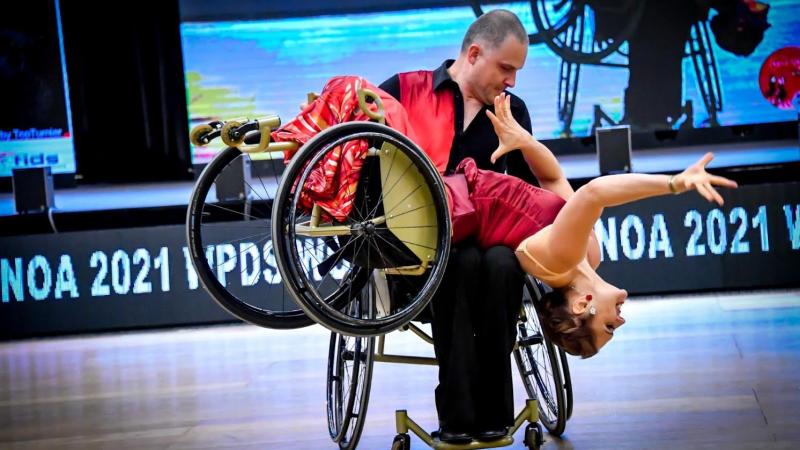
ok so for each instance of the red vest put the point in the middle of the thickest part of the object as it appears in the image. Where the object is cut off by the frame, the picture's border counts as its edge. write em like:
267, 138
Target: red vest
431, 114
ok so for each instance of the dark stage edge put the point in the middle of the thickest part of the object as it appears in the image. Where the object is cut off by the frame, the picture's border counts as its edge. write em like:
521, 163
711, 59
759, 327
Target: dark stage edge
153, 204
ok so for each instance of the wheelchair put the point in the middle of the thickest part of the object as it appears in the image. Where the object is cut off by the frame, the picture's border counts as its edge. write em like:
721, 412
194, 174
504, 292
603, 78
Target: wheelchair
545, 375
341, 270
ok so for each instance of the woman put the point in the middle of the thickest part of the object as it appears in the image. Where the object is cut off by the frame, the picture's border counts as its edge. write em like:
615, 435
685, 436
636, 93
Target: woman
582, 312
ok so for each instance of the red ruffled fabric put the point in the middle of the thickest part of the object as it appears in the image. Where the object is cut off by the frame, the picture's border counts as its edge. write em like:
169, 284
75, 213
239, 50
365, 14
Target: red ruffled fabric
332, 184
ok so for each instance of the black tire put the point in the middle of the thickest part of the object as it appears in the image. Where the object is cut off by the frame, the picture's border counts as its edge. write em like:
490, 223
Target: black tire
539, 365
401, 442
370, 249
558, 22
350, 361
705, 68
534, 438
567, 378
210, 221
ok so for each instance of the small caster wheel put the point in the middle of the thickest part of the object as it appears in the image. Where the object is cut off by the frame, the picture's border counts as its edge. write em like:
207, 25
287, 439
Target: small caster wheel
401, 442
198, 135
228, 138
534, 438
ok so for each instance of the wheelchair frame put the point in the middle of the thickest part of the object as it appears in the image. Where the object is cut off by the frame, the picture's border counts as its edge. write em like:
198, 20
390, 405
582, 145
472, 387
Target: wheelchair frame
530, 412
234, 134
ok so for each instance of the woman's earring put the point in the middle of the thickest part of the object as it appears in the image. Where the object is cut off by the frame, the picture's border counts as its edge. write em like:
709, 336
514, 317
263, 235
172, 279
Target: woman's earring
592, 310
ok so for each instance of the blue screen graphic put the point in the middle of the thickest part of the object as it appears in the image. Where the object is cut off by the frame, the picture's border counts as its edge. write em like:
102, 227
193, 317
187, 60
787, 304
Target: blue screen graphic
254, 68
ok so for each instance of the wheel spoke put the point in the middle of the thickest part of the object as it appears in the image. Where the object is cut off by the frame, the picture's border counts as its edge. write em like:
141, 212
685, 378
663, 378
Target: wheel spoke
233, 211
239, 229
380, 248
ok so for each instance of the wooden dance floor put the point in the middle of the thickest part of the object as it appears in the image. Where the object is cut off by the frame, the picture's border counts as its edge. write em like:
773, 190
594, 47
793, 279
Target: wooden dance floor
690, 372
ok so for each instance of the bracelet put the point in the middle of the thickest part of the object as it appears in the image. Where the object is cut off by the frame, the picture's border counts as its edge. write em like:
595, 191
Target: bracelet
671, 184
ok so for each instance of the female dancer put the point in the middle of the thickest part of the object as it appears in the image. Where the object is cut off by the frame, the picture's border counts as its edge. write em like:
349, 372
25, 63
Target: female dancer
582, 312
551, 228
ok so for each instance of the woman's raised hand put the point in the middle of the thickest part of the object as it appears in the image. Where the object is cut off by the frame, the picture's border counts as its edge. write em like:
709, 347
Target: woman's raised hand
696, 177
509, 132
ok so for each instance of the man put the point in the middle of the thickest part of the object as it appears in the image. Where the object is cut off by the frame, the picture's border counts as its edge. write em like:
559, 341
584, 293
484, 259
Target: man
476, 307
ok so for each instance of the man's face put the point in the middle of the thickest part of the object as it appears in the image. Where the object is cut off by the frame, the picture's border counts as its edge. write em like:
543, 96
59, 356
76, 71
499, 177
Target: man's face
494, 70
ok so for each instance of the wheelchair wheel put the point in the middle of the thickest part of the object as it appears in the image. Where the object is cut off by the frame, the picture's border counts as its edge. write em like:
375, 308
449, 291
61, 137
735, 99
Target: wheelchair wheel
350, 361
567, 378
706, 71
533, 436
401, 442
398, 227
539, 365
585, 31
229, 240
537, 289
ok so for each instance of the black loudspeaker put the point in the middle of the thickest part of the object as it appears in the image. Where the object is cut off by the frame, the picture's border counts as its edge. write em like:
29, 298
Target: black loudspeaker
233, 184
33, 190
614, 149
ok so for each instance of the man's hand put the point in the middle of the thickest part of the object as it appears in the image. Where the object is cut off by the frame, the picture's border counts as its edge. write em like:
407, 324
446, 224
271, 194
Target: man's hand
510, 133
696, 177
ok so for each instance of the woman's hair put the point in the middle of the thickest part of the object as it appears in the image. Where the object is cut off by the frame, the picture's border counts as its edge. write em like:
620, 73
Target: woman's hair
562, 327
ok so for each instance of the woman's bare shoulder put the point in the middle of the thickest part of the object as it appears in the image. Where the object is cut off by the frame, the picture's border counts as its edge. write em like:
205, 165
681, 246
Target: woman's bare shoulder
535, 259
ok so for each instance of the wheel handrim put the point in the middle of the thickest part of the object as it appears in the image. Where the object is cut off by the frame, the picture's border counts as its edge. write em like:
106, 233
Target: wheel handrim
540, 367
313, 295
245, 301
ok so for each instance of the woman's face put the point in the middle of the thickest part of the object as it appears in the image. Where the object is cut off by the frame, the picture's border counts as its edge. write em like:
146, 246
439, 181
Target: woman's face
607, 300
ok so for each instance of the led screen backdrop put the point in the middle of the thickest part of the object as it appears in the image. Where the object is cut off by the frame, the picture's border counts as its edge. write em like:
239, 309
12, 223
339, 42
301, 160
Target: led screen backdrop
257, 67
35, 122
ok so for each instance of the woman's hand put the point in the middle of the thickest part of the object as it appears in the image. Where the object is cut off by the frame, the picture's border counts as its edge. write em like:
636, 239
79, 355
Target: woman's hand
510, 133
696, 177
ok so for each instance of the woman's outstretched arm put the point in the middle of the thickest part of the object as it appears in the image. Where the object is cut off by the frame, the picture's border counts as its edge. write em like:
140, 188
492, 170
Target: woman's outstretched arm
568, 236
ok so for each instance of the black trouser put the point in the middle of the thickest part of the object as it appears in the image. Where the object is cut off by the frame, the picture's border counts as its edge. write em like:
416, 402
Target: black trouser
475, 312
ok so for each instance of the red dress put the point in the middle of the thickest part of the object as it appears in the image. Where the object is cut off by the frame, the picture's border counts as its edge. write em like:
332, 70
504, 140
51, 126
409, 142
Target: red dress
506, 209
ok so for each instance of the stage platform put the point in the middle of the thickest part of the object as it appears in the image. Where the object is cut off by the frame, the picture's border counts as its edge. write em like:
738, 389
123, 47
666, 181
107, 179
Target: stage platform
764, 157
685, 372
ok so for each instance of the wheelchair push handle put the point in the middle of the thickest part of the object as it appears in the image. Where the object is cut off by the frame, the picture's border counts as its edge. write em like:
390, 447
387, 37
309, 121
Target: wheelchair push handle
378, 116
234, 132
265, 126
363, 95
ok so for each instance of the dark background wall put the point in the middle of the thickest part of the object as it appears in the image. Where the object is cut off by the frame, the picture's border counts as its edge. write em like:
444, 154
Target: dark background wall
127, 91
206, 10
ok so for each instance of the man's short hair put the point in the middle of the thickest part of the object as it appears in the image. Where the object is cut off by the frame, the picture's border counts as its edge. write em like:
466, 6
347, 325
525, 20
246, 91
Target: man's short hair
493, 28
